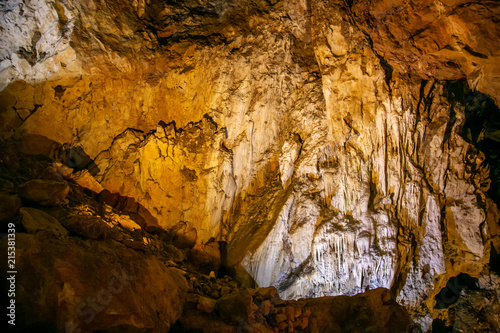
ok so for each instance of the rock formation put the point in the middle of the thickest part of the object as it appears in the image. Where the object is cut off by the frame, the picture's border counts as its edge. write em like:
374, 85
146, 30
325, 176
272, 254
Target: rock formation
332, 146
84, 266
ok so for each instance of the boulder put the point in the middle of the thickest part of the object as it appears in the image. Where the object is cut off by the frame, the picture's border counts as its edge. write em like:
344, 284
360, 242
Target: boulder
35, 144
206, 304
44, 192
194, 321
265, 307
86, 226
62, 170
35, 220
373, 311
225, 291
129, 205
6, 186
266, 293
86, 286
206, 256
184, 235
86, 180
9, 206
236, 307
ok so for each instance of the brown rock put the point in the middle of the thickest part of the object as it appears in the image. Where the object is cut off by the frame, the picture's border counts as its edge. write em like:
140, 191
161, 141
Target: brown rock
6, 185
303, 322
278, 301
105, 281
138, 244
123, 220
184, 235
63, 170
86, 225
225, 291
206, 256
298, 312
177, 255
205, 304
9, 206
358, 127
281, 317
235, 307
129, 205
86, 180
282, 325
290, 312
35, 220
207, 323
457, 40
256, 327
35, 144
368, 310
206, 289
265, 307
44, 192
267, 292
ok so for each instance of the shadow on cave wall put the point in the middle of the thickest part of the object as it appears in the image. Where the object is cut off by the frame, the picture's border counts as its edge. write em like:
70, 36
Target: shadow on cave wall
481, 128
454, 287
72, 156
467, 307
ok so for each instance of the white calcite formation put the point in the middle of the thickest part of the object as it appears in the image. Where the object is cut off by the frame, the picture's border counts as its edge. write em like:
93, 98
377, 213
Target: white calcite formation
35, 43
278, 127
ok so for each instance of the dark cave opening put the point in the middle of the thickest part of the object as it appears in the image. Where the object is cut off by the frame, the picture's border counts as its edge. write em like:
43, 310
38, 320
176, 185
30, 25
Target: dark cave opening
450, 294
481, 127
494, 260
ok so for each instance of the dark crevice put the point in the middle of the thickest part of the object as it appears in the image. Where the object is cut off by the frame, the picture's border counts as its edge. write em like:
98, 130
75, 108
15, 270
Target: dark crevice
451, 293
474, 53
304, 268
388, 70
449, 127
481, 127
421, 97
439, 326
203, 40
494, 260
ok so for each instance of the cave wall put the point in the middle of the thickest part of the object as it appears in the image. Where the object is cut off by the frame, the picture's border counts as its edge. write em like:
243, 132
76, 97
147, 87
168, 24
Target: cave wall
321, 139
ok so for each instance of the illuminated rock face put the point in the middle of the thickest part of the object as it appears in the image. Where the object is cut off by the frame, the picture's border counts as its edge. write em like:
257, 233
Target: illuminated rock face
436, 39
310, 136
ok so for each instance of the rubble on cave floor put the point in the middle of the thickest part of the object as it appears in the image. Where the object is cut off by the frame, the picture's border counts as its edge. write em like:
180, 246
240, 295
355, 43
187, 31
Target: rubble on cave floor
84, 266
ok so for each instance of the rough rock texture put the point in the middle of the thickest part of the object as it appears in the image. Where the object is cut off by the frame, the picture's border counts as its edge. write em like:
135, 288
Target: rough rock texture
91, 273
94, 286
81, 267
9, 205
35, 220
444, 40
322, 140
367, 312
46, 193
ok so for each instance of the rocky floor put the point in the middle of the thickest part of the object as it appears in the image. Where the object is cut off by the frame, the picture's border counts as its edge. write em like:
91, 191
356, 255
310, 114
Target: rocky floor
84, 266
